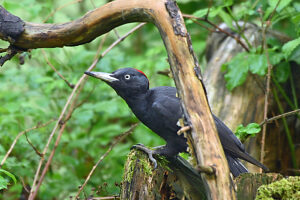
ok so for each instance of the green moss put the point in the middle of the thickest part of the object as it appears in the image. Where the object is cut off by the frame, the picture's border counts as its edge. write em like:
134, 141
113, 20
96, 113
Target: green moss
163, 162
285, 189
130, 166
136, 157
146, 165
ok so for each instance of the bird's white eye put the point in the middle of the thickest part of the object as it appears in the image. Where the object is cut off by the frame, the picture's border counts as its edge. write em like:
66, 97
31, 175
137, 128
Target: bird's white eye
127, 76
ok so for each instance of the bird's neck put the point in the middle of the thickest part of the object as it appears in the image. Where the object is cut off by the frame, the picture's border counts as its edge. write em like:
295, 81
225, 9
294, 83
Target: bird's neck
137, 101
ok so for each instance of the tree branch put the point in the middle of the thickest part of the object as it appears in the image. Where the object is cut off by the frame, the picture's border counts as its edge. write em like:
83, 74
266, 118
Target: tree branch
57, 72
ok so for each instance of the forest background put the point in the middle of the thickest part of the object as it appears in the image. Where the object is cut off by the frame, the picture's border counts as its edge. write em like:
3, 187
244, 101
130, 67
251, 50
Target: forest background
32, 94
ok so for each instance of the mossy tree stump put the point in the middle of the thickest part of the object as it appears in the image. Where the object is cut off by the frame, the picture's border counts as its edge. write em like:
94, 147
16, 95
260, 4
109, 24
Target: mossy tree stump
175, 178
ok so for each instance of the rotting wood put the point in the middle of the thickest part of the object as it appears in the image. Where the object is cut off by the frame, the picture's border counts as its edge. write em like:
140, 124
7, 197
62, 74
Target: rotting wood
174, 178
247, 184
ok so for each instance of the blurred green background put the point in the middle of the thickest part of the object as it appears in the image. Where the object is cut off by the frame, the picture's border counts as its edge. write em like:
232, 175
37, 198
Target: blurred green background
33, 93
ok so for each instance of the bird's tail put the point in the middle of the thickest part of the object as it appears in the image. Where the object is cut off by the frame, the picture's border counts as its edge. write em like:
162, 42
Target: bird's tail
252, 160
235, 166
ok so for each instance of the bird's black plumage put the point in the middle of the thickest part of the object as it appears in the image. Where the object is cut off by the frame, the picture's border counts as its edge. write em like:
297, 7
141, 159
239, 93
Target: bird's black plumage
159, 109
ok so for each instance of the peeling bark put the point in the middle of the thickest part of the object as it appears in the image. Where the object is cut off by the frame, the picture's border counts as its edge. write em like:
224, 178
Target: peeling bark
11, 26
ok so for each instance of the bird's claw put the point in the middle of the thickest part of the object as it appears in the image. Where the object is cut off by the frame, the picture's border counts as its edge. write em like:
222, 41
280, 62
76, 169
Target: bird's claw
183, 129
147, 151
136, 146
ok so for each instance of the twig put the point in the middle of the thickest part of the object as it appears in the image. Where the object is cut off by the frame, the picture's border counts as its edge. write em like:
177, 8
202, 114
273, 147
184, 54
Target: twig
208, 10
239, 30
60, 122
19, 135
203, 26
262, 151
117, 34
117, 140
34, 148
26, 187
57, 72
218, 28
106, 198
11, 52
263, 138
122, 38
273, 12
86, 98
280, 116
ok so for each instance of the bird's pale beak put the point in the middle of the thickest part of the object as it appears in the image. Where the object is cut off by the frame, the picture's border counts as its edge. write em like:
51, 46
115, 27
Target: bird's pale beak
103, 76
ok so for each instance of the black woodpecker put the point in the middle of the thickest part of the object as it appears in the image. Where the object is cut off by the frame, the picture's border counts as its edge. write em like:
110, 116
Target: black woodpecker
159, 109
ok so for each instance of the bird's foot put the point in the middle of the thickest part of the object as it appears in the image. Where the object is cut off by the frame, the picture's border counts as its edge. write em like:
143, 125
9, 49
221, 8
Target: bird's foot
147, 151
183, 129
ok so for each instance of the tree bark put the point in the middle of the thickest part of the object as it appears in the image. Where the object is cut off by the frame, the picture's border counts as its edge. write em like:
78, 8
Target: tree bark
204, 141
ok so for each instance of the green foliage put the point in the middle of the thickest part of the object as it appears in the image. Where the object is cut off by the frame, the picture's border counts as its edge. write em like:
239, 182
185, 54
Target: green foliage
239, 66
250, 130
4, 182
33, 93
285, 189
290, 46
255, 61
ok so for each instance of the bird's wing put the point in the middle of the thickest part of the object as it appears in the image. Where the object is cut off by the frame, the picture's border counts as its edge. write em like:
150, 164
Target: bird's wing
169, 109
229, 141
233, 146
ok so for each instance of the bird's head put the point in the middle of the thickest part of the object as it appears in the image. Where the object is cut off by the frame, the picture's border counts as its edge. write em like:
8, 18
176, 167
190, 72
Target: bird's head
126, 81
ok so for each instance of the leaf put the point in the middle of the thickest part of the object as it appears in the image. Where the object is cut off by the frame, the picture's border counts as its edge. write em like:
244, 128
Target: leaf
227, 19
237, 70
282, 4
250, 130
3, 183
214, 11
282, 72
9, 174
288, 47
275, 57
295, 56
258, 64
200, 13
